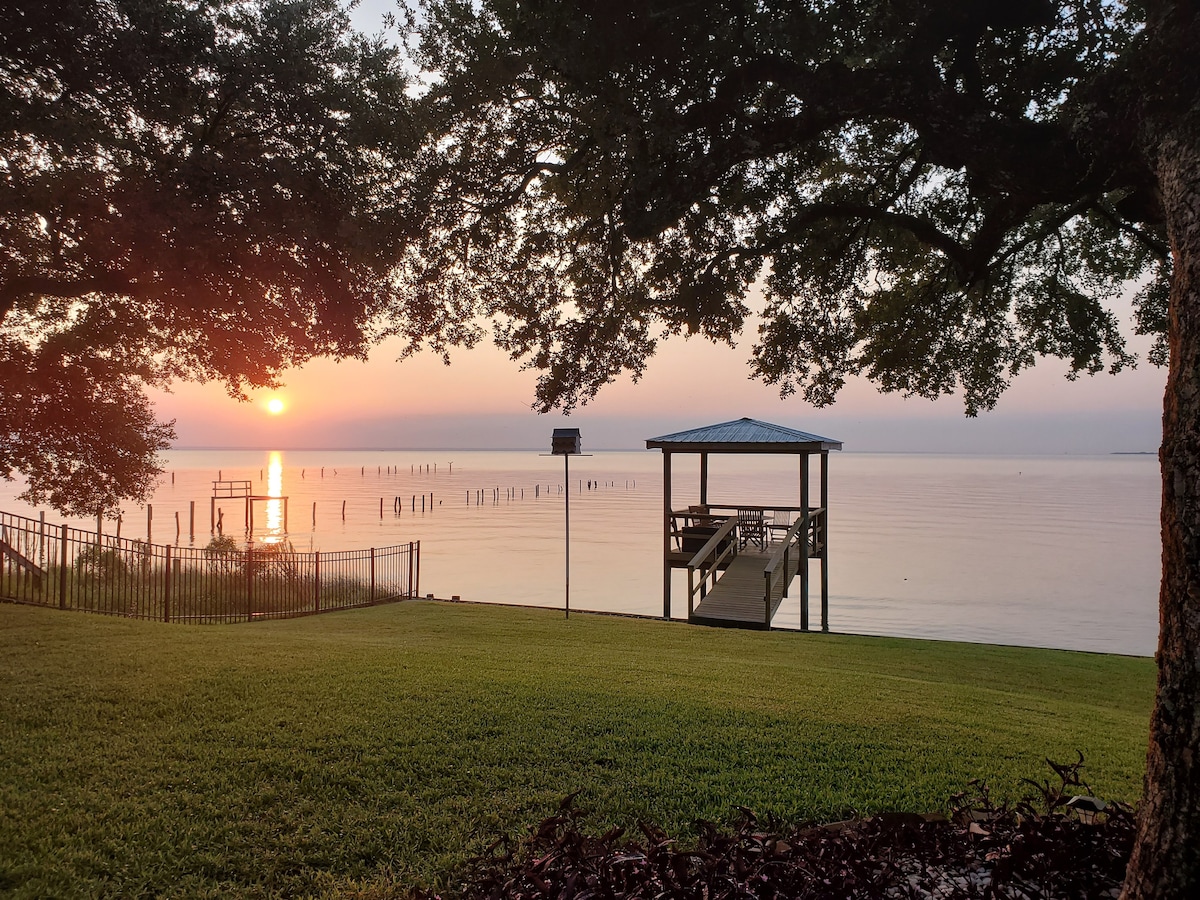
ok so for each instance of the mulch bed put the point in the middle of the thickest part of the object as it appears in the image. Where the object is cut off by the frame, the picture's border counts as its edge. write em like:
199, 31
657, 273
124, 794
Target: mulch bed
1064, 844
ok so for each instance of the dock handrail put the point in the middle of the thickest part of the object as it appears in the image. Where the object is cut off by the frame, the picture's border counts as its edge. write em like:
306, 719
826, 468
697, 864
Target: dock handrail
708, 560
805, 524
228, 489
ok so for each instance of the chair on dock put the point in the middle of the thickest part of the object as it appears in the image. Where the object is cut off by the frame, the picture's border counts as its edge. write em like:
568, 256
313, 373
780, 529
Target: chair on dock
781, 522
751, 528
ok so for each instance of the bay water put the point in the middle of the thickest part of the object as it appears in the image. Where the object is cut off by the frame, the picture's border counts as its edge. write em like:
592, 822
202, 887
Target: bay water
1035, 551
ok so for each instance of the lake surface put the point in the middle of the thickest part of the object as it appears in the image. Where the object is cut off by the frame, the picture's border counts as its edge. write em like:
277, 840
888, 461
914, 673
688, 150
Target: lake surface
1037, 551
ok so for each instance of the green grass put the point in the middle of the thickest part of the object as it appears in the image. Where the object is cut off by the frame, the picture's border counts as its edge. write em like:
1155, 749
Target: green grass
364, 752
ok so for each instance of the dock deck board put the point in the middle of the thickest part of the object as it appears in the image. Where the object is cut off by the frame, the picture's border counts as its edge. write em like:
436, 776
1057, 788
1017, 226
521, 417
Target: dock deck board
736, 601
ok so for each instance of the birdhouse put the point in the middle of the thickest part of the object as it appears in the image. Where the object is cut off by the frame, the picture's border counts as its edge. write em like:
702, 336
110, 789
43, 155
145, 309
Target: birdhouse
565, 442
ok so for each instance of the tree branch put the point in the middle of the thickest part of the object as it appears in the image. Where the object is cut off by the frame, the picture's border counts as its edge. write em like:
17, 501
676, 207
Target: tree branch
21, 287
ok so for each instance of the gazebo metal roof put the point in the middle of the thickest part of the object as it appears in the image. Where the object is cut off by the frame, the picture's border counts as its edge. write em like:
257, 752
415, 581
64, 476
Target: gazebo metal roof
743, 436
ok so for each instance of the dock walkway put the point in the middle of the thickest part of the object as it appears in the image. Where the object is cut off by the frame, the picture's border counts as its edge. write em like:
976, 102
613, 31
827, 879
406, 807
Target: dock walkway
738, 600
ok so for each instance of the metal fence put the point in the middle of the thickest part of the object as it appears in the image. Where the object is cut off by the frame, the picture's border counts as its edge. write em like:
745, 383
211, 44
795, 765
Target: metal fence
56, 565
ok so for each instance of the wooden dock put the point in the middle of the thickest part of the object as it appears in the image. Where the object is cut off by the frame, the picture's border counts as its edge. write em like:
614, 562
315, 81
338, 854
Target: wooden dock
738, 600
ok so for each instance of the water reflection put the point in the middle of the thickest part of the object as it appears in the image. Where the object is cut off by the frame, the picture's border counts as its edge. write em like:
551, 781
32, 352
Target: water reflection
275, 524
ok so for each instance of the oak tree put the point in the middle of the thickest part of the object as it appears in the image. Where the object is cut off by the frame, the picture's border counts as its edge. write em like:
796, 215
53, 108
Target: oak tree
201, 190
931, 193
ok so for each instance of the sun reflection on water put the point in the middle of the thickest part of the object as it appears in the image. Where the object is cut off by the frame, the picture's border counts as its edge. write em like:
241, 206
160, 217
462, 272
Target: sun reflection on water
275, 531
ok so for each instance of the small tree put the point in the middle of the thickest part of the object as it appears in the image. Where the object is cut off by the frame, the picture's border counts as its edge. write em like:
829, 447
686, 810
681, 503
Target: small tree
935, 193
211, 190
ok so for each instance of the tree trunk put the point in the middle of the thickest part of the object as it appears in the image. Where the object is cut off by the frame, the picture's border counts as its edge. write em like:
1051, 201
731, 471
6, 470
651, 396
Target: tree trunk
1166, 855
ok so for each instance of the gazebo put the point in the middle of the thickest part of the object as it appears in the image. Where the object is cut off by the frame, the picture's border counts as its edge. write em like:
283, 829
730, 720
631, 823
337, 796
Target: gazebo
741, 558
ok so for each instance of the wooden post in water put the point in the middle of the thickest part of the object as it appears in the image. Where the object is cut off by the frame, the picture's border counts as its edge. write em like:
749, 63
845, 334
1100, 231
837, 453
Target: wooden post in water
149, 523
804, 546
343, 510
825, 541
314, 514
191, 520
666, 533
177, 526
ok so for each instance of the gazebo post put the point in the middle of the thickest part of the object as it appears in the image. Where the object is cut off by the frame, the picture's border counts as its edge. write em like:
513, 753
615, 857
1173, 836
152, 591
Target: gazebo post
804, 530
666, 534
825, 541
704, 479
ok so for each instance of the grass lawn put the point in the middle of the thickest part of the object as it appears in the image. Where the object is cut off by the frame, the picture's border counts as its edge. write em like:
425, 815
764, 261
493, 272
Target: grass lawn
365, 752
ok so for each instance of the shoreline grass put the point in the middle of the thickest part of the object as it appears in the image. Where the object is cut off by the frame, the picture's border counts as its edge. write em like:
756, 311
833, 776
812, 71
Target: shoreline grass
371, 751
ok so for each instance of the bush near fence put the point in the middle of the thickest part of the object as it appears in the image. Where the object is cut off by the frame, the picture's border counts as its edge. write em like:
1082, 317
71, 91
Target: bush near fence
57, 565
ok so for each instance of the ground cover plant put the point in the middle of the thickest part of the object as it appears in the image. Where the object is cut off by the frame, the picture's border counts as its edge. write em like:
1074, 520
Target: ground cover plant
369, 752
1065, 844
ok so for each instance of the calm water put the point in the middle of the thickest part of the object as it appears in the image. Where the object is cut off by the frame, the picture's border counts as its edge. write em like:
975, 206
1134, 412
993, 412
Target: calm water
1038, 551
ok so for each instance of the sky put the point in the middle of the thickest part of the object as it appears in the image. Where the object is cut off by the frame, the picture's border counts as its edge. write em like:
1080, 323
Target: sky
482, 400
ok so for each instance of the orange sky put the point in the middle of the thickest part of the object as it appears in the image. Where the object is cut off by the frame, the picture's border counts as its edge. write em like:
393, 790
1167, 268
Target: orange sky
484, 401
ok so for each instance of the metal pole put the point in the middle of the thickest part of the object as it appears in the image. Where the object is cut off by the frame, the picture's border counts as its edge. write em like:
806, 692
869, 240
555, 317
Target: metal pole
567, 513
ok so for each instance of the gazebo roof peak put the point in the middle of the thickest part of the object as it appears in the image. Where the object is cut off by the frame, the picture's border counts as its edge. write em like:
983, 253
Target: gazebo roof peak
743, 435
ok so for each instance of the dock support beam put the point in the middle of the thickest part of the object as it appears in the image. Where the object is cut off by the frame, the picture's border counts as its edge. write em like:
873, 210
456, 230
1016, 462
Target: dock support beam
666, 534
825, 541
804, 536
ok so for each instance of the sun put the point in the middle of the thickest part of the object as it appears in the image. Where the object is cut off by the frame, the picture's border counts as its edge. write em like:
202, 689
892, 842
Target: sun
274, 406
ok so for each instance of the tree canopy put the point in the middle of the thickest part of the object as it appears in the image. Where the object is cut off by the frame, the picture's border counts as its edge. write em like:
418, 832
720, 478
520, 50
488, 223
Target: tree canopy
209, 190
933, 193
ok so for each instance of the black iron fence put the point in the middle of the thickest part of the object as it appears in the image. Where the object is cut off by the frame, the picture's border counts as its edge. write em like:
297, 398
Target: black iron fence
56, 565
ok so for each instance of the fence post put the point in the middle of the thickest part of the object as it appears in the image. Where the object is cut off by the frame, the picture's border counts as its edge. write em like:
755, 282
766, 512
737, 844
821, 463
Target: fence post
411, 592
417, 586
167, 587
317, 581
62, 570
249, 582
372, 576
